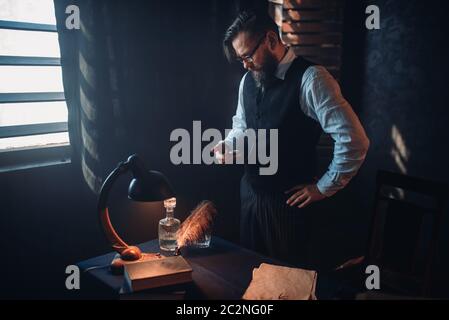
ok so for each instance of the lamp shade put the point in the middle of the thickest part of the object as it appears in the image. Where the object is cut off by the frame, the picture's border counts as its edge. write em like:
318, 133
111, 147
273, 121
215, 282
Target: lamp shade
150, 186
147, 185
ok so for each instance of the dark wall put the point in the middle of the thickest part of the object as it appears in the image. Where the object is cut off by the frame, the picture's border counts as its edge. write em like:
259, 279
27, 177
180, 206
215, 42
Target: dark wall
403, 95
47, 222
396, 78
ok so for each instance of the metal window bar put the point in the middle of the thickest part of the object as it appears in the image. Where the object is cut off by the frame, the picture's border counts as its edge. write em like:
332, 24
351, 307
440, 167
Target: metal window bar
13, 25
32, 129
31, 97
29, 61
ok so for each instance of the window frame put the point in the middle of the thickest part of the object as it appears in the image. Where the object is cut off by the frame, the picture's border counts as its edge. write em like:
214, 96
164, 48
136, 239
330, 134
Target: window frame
33, 156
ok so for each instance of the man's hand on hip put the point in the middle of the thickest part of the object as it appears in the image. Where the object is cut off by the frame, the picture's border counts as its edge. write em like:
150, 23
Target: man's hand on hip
304, 195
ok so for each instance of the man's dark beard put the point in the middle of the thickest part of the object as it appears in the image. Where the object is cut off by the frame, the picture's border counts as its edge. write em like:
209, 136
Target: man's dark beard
265, 76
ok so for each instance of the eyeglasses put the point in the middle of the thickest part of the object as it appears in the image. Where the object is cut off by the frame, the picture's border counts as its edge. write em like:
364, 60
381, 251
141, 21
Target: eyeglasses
249, 57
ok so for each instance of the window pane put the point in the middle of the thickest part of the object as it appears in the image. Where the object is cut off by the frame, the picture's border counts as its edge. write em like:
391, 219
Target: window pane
30, 79
40, 140
29, 43
13, 114
41, 11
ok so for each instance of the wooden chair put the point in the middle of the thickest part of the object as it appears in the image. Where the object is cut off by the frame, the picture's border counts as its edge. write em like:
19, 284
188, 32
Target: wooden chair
404, 233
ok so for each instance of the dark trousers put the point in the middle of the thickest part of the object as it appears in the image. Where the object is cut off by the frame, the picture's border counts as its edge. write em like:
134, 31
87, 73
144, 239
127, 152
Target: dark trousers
271, 227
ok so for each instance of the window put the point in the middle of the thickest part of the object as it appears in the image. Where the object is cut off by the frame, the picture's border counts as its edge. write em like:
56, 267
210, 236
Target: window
33, 112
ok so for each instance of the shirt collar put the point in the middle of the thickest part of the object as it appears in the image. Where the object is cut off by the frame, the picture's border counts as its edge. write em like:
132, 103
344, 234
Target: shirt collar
285, 64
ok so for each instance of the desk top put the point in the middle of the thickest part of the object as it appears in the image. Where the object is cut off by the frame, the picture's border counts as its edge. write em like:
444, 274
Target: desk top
222, 271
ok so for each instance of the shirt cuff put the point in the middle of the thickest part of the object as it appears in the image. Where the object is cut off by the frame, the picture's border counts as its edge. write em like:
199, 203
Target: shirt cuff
331, 182
233, 136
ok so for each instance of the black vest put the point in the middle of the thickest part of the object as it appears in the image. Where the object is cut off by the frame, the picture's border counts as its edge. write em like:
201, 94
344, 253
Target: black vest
278, 107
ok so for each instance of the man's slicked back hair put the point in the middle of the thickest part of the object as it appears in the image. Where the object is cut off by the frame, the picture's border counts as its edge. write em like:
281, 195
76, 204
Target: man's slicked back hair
252, 22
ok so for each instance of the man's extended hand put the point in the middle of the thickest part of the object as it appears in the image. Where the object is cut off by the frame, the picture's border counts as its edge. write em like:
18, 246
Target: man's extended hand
305, 194
228, 156
220, 154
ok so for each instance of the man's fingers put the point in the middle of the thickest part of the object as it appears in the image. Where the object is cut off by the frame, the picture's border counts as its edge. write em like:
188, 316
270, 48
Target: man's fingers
300, 186
299, 199
294, 196
305, 203
218, 147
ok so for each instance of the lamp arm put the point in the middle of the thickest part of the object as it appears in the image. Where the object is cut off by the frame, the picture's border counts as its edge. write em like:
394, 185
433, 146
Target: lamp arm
117, 243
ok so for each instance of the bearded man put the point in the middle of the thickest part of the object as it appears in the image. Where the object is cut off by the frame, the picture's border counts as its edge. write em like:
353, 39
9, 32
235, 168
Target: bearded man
301, 100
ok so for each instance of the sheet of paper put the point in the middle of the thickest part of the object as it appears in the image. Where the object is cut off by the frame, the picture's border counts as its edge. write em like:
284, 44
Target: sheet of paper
271, 282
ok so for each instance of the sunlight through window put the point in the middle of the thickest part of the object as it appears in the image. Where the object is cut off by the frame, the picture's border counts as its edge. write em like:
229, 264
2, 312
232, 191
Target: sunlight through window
32, 114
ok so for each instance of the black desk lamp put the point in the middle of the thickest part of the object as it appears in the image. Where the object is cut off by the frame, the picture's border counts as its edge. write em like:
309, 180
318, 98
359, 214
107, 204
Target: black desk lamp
145, 186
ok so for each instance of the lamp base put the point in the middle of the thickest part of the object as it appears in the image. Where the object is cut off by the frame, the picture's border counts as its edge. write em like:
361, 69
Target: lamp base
118, 264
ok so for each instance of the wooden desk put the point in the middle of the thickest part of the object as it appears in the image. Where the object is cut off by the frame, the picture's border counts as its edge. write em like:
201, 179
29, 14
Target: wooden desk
221, 272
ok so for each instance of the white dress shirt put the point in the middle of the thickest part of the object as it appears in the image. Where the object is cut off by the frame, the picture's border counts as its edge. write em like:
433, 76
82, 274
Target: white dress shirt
321, 99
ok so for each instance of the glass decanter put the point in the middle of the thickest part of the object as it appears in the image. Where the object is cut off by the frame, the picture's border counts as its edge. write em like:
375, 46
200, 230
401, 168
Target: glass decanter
168, 227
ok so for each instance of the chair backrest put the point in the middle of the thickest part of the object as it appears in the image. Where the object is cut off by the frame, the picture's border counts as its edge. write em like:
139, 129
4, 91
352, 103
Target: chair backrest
404, 231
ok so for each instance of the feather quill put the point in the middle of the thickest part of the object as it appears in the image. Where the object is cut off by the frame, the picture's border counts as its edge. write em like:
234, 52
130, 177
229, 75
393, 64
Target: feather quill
197, 224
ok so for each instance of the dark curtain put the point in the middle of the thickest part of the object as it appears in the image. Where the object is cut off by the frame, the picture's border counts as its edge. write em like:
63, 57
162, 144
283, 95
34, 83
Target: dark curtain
136, 70
93, 73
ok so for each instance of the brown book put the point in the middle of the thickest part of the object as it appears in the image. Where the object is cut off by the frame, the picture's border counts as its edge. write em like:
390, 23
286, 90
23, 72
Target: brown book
157, 273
